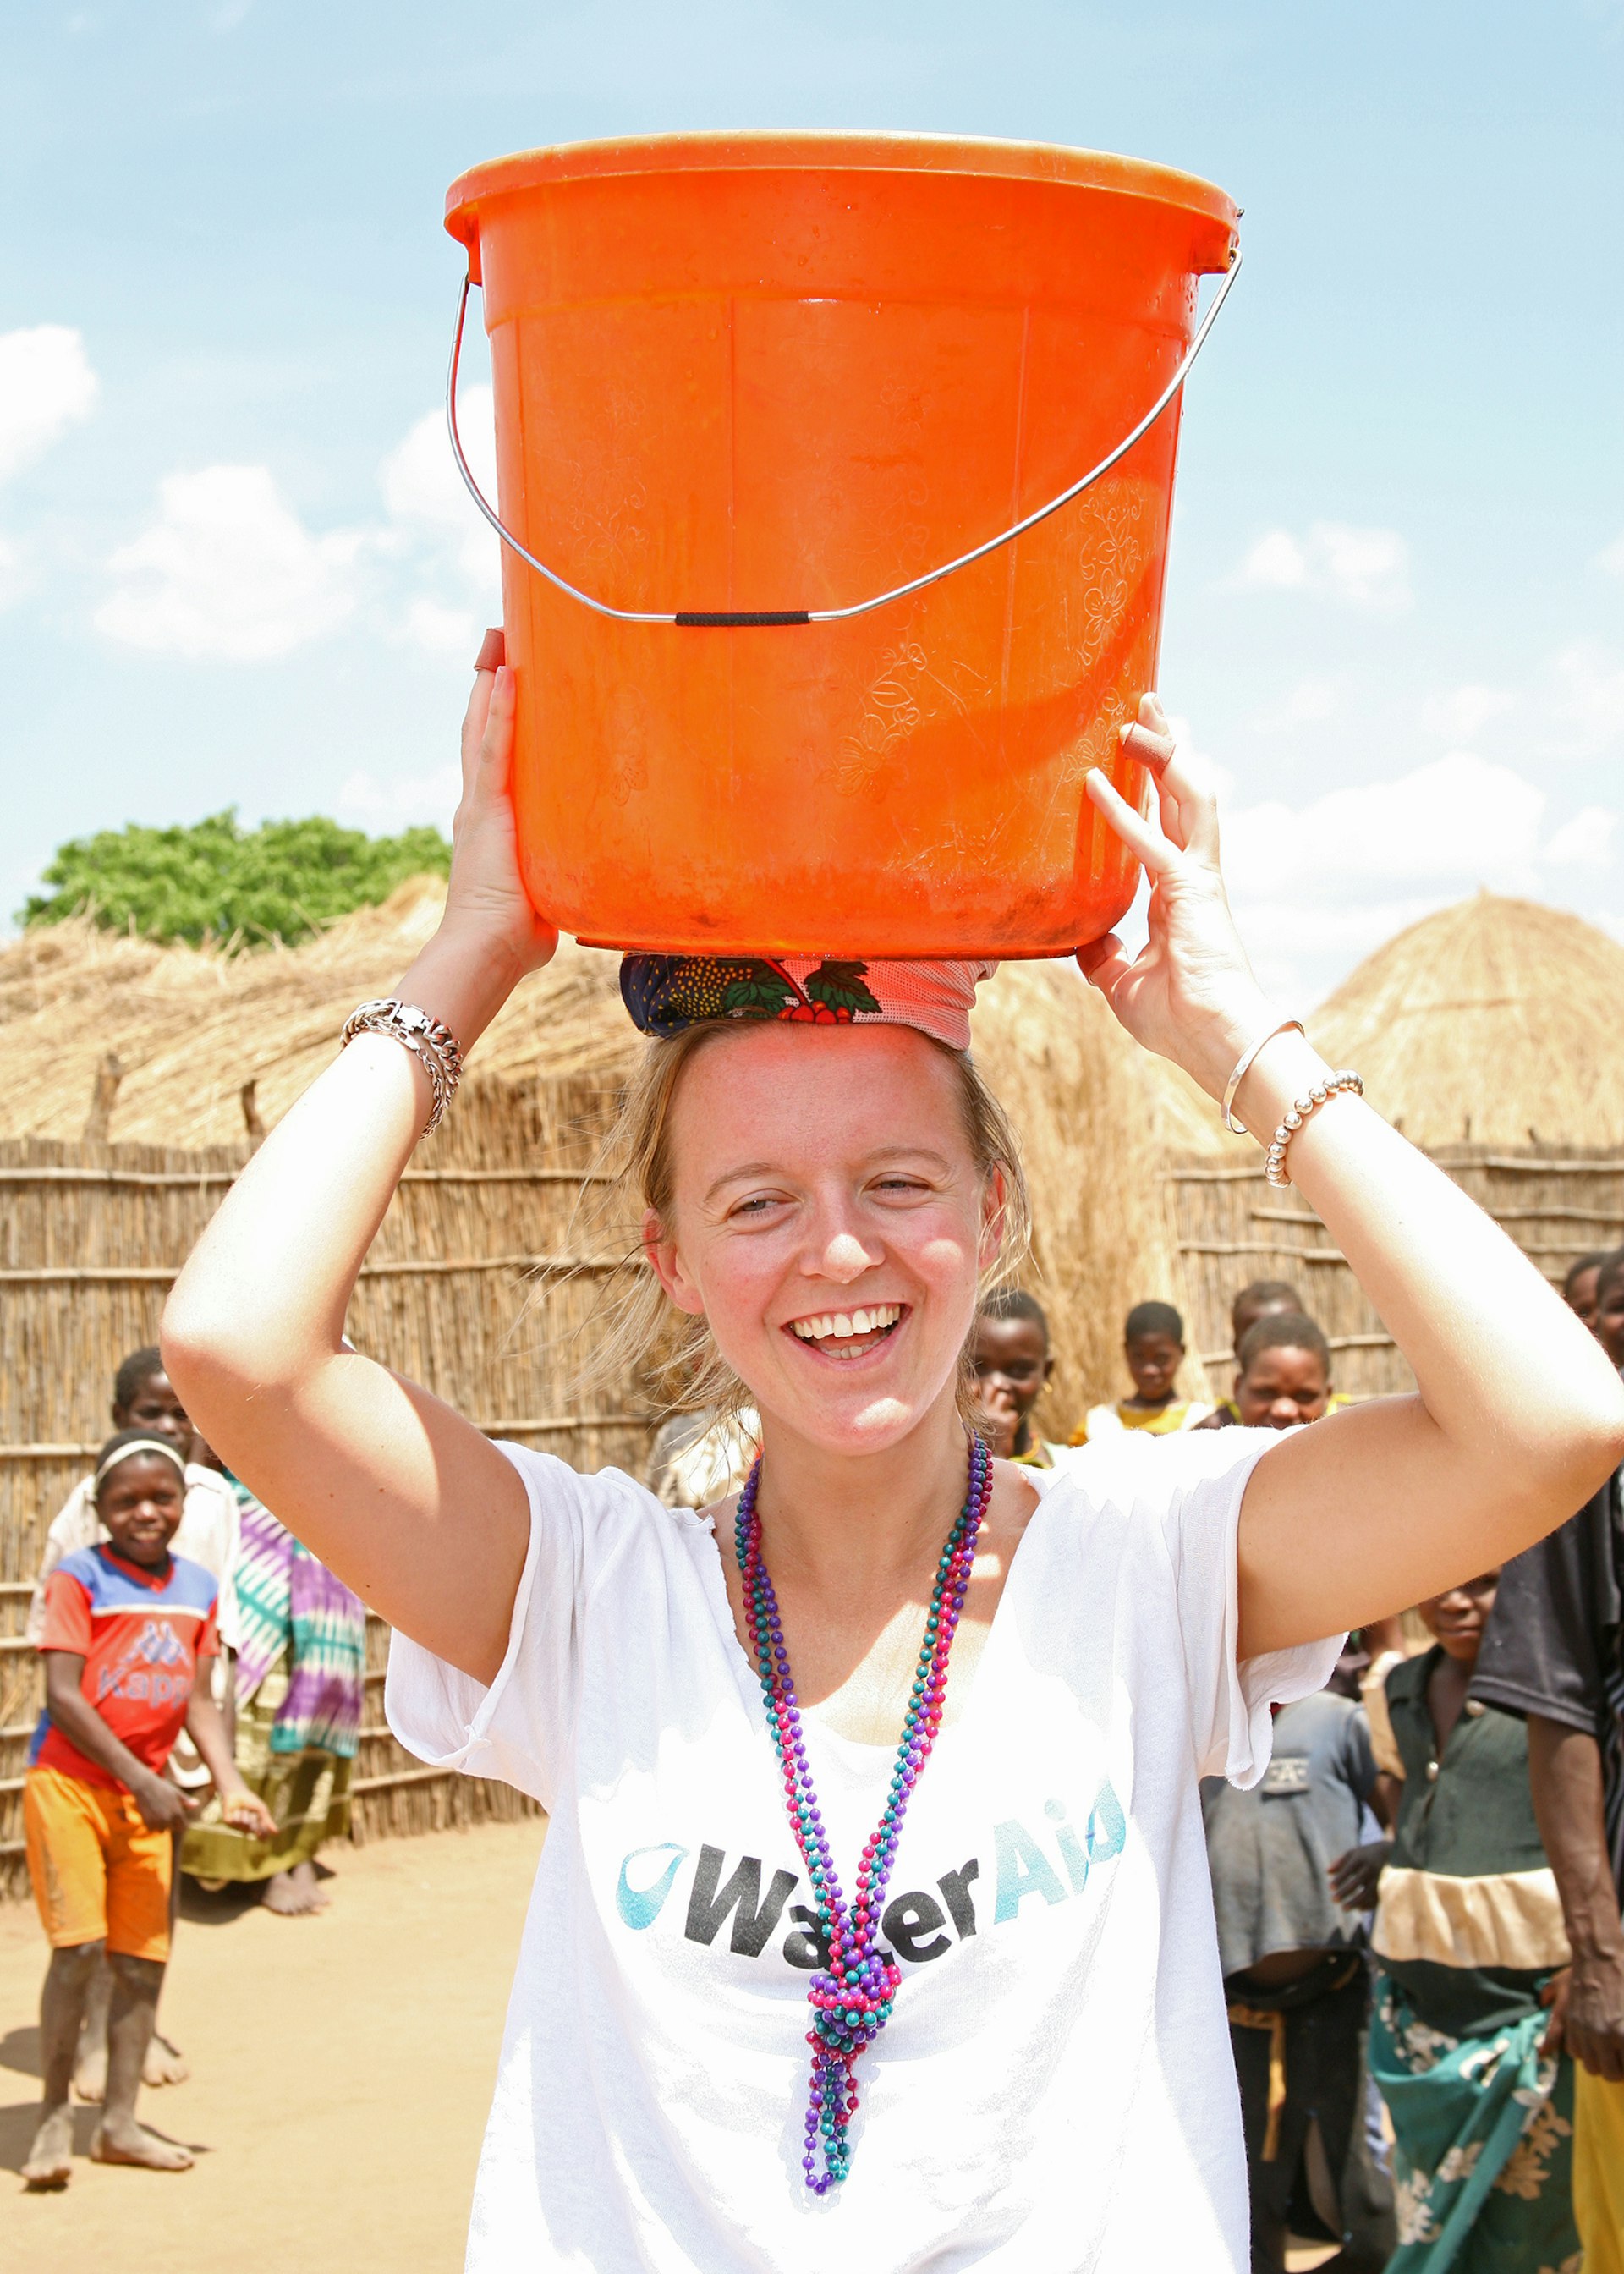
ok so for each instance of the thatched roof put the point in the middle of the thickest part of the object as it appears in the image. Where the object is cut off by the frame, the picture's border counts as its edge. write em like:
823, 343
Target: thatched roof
190, 1027
1496, 1021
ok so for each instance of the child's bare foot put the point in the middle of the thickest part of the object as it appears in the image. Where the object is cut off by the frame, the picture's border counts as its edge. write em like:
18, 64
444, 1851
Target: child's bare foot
90, 2070
163, 2063
130, 2142
292, 1894
50, 2159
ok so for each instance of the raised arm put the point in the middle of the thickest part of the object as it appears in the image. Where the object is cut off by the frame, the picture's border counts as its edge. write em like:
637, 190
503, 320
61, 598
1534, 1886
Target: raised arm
406, 1501
1519, 1416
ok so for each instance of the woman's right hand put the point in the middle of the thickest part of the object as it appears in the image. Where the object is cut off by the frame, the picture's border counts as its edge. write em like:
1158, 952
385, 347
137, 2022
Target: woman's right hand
486, 898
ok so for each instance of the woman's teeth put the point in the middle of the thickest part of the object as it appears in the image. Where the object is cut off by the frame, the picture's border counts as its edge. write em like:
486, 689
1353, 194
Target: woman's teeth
841, 1326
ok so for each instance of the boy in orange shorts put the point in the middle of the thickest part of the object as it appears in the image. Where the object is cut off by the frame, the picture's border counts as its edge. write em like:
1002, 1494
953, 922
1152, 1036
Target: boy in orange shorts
126, 1626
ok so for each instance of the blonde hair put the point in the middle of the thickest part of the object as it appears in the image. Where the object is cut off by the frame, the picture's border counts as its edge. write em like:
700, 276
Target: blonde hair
674, 1354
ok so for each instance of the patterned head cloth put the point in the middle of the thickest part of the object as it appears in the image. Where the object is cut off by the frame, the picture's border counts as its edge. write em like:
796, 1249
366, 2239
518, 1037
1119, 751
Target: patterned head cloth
667, 993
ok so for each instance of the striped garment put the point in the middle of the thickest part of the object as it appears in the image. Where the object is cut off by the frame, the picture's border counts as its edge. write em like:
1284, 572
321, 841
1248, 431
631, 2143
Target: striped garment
289, 1604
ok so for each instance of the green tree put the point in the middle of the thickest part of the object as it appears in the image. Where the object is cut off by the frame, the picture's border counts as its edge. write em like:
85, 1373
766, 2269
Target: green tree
215, 879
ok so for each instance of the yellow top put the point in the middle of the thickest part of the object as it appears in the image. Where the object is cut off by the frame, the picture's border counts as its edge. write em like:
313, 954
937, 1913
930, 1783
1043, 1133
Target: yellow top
1159, 1420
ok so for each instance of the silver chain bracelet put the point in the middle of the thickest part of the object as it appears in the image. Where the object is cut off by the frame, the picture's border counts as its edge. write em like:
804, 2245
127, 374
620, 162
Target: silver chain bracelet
430, 1041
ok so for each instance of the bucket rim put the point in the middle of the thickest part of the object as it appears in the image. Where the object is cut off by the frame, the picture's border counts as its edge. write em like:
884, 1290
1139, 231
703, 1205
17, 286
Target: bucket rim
780, 149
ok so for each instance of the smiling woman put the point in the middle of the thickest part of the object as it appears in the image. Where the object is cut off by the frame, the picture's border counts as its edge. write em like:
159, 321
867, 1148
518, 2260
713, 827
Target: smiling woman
903, 1733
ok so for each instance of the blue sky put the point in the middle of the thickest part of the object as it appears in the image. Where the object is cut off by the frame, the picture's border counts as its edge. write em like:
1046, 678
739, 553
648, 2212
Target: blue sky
233, 563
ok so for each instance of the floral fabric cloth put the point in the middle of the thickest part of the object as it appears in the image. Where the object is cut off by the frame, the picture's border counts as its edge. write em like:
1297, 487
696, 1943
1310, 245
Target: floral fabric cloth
1482, 2159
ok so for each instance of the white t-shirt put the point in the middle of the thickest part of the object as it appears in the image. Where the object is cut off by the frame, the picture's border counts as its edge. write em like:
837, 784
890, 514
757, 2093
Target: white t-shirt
1056, 2089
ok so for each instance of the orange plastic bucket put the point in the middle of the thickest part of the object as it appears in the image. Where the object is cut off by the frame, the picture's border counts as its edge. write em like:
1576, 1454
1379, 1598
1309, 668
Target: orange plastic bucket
787, 372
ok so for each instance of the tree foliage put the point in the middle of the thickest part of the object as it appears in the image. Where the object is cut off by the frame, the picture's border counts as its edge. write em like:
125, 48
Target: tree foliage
215, 879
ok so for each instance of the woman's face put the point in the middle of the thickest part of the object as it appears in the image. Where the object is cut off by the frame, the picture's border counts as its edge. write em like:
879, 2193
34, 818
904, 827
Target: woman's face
828, 1222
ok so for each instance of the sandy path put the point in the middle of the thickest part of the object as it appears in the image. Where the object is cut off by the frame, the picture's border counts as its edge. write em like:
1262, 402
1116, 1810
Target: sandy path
341, 2068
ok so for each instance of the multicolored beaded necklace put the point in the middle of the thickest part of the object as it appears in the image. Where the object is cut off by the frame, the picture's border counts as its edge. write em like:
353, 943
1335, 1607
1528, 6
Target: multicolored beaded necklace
853, 1996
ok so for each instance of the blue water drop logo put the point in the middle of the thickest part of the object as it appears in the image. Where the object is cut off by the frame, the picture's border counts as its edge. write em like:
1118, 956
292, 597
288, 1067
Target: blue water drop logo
639, 1906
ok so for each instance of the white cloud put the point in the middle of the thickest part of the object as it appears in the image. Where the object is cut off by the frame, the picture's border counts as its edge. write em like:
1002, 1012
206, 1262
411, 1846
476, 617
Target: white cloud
1276, 561
45, 385
1461, 715
430, 797
1367, 567
1589, 696
440, 631
423, 491
228, 571
440, 545
1309, 704
1584, 842
1457, 818
1611, 557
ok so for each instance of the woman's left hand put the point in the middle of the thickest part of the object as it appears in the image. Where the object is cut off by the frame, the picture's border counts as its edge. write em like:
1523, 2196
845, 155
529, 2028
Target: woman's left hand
1189, 995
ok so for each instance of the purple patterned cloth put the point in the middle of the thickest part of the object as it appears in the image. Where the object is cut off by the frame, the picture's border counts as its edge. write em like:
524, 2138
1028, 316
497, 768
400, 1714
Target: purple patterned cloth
290, 1605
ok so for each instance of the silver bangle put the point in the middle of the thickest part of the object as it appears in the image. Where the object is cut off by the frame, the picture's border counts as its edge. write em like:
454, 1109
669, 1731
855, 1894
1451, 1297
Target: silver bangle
430, 1041
1286, 1027
1297, 1114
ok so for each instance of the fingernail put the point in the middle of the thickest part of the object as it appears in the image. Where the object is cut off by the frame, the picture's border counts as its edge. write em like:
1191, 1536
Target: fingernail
493, 651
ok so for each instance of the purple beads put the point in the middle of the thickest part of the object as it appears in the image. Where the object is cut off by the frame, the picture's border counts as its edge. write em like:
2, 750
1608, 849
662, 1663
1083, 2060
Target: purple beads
852, 1998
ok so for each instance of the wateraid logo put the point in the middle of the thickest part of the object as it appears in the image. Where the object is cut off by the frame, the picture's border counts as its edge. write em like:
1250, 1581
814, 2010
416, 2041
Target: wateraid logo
639, 1906
916, 1924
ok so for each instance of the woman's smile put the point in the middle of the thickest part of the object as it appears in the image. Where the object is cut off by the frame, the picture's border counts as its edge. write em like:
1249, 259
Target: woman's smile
845, 1335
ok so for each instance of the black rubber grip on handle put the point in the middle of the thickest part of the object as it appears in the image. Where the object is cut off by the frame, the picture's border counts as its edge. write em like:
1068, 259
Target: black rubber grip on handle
730, 619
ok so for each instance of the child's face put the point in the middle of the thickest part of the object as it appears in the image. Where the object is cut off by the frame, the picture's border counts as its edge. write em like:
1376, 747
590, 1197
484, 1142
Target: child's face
1608, 1324
1152, 1362
1010, 1362
1282, 1388
1457, 1618
140, 1503
157, 1411
1582, 1295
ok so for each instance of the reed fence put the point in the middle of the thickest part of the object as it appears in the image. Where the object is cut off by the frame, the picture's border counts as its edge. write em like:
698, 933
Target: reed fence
485, 1283
1230, 1226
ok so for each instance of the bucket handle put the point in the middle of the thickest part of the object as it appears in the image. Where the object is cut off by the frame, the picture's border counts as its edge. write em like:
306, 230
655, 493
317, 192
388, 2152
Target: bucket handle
741, 618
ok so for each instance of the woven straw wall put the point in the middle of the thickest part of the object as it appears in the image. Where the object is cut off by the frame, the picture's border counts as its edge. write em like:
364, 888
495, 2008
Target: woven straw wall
483, 1283
1230, 1227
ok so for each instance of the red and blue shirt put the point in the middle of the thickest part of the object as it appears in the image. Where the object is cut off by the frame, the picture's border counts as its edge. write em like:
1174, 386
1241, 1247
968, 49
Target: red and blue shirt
141, 1634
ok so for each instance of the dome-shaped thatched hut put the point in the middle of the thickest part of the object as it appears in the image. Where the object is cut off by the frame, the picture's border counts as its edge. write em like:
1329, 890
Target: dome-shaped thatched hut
1492, 1034
1495, 1022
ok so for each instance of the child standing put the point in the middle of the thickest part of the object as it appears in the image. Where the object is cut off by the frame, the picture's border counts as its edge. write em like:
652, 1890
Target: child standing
1010, 1361
1469, 1940
144, 1398
1292, 1949
1154, 1347
126, 1625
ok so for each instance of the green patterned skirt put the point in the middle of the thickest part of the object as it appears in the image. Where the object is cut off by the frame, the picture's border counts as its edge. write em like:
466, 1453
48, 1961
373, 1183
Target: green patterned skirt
1483, 2144
307, 1793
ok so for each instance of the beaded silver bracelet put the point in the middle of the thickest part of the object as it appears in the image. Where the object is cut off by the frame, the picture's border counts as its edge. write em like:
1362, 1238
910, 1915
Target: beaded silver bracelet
430, 1041
1297, 1114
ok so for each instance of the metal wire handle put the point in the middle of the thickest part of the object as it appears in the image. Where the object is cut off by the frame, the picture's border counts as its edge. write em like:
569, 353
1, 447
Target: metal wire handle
741, 618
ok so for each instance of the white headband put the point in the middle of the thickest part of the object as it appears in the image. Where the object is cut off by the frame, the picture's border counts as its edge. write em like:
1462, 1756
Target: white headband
137, 1447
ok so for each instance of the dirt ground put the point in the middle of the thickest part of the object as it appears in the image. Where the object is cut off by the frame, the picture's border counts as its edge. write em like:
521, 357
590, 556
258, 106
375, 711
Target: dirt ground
341, 2069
